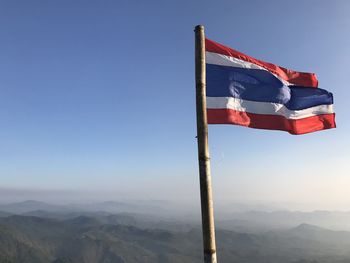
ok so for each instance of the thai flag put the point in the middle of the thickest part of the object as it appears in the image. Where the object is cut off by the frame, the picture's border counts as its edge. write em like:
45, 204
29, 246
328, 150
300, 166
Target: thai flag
245, 91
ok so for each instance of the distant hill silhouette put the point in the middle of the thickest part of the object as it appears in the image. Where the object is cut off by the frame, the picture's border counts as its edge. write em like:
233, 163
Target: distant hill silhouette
106, 238
38, 232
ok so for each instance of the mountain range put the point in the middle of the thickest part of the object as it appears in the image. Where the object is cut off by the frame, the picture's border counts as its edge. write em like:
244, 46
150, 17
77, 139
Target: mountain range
44, 233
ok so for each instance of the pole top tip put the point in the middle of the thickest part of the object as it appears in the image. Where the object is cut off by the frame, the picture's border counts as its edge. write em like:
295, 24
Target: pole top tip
199, 27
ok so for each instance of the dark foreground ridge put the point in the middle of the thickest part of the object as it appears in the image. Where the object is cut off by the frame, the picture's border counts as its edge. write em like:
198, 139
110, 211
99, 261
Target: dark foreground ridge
104, 238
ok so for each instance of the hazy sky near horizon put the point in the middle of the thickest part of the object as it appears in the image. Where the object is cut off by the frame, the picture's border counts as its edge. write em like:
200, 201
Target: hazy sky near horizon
98, 97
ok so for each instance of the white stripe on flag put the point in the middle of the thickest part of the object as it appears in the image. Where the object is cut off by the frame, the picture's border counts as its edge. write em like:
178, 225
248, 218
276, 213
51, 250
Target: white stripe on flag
268, 108
223, 60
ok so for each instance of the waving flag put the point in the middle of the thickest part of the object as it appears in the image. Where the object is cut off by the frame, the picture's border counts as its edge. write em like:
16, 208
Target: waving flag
245, 91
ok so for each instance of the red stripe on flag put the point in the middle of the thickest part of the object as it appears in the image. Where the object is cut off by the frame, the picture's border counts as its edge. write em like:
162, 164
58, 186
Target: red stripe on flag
271, 122
293, 77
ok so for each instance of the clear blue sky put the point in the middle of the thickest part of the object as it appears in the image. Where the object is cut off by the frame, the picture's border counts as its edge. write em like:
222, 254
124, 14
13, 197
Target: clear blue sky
99, 96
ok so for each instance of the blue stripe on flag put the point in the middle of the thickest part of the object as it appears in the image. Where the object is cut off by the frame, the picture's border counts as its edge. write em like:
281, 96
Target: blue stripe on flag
302, 98
261, 85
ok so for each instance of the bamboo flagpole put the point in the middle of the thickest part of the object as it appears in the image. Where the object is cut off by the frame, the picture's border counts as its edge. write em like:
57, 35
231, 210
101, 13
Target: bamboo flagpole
208, 228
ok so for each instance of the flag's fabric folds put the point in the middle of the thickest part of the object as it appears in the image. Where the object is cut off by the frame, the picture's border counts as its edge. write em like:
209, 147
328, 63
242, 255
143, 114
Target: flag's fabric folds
245, 91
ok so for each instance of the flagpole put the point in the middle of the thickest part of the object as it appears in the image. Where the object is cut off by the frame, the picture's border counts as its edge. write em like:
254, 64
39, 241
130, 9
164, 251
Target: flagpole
208, 228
